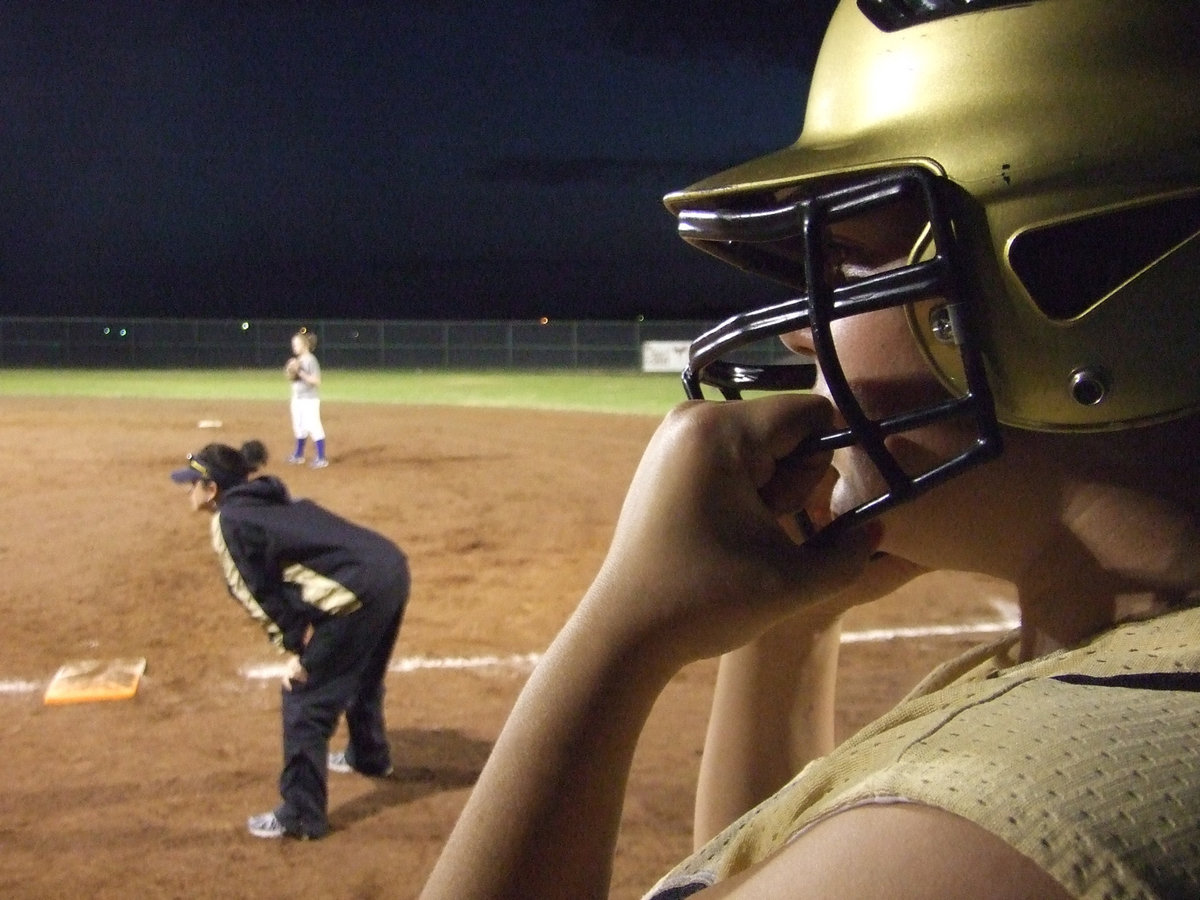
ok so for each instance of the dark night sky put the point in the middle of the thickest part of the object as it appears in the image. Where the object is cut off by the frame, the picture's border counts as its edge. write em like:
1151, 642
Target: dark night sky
349, 158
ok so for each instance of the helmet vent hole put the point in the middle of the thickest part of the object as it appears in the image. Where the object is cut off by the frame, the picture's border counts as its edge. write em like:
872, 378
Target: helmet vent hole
892, 15
1070, 266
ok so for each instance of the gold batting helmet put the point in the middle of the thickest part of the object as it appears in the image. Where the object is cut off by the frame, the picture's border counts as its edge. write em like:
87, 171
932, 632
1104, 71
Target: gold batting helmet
1057, 146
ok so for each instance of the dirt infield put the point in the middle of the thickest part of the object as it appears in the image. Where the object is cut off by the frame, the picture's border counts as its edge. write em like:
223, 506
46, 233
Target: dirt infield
505, 516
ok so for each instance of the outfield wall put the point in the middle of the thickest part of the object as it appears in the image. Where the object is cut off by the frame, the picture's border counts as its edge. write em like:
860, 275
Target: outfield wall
192, 343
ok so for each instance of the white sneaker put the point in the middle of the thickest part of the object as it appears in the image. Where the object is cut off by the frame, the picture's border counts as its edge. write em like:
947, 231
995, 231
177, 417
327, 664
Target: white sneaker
265, 825
319, 463
338, 763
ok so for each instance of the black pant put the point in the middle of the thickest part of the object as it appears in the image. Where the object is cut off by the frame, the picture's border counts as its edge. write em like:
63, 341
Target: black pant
354, 684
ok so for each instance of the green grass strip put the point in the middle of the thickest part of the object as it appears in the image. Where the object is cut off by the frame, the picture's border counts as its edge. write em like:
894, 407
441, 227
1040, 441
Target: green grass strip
597, 391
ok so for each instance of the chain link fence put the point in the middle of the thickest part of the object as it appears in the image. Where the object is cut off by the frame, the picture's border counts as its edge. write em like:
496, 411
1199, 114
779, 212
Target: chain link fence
202, 343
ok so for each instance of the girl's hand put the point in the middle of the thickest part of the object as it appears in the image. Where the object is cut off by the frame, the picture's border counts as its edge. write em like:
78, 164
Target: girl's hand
699, 562
294, 672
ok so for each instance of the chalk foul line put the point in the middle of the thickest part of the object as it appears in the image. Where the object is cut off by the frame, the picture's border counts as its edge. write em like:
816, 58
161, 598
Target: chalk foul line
21, 687
875, 635
524, 662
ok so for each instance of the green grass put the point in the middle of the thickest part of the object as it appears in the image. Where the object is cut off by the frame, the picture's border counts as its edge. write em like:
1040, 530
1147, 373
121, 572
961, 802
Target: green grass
615, 392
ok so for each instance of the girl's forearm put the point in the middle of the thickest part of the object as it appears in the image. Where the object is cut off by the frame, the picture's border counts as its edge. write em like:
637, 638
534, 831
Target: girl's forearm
542, 820
772, 713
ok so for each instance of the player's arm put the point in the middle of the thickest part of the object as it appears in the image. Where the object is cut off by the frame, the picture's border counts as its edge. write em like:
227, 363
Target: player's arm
772, 712
773, 706
698, 565
902, 851
542, 820
254, 580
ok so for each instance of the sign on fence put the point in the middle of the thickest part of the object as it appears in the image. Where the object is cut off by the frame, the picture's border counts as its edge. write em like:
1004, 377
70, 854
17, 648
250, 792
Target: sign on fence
664, 356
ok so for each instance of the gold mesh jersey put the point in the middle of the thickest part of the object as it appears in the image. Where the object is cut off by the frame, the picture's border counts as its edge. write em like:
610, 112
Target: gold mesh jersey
1085, 760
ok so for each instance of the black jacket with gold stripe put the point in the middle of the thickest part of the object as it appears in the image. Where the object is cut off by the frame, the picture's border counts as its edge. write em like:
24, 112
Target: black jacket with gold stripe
292, 563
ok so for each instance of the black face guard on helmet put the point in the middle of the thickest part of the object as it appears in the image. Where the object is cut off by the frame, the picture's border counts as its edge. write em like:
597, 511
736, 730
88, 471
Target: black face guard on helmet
745, 234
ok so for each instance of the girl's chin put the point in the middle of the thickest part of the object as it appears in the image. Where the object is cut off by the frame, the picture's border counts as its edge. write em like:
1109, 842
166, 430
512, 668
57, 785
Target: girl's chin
849, 489
843, 499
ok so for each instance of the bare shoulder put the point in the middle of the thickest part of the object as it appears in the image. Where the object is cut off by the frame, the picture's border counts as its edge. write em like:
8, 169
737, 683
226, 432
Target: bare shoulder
902, 851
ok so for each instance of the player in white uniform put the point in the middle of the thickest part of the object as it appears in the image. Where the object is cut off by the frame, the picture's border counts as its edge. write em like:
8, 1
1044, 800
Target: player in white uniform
305, 374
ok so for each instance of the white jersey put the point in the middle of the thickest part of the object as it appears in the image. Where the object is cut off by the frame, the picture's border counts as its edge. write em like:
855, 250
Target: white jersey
301, 389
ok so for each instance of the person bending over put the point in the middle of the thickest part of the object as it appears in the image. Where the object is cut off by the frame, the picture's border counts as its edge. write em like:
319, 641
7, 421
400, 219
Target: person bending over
328, 592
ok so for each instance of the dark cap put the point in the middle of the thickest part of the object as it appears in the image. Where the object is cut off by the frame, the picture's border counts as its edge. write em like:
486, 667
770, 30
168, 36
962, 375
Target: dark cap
201, 468
195, 471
